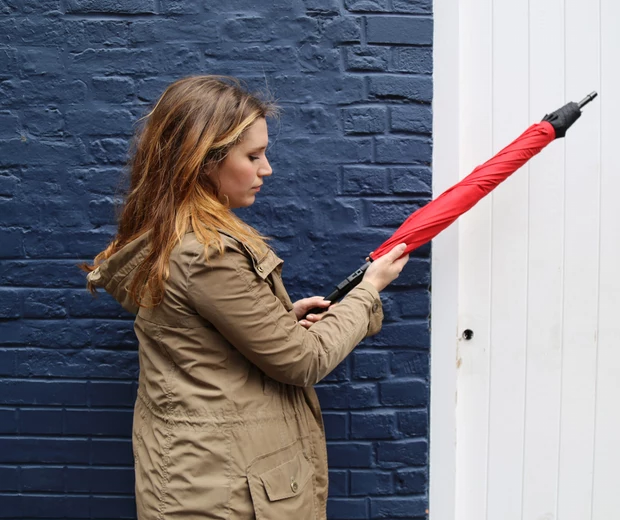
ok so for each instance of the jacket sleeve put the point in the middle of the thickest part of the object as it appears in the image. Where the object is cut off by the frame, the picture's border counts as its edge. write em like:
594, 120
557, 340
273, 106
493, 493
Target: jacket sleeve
240, 304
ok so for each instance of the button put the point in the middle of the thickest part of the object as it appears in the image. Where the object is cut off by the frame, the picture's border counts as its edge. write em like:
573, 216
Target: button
260, 268
375, 307
294, 485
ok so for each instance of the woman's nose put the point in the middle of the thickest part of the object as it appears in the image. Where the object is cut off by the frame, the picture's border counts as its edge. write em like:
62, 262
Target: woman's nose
266, 169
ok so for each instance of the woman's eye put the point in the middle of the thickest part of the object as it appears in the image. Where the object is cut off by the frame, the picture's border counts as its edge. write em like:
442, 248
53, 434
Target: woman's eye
253, 158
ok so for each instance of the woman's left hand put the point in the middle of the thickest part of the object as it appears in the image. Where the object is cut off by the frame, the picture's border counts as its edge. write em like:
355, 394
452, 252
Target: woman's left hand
301, 307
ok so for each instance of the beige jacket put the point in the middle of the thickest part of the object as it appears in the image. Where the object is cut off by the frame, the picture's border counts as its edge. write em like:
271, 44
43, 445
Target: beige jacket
226, 423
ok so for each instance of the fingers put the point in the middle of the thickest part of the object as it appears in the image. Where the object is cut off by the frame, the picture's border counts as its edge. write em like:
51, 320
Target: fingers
305, 323
397, 251
316, 301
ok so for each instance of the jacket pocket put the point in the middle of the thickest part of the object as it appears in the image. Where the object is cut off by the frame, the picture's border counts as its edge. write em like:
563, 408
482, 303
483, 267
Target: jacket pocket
284, 490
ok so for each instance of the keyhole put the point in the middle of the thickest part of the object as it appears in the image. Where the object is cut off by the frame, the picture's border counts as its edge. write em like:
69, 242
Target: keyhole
468, 334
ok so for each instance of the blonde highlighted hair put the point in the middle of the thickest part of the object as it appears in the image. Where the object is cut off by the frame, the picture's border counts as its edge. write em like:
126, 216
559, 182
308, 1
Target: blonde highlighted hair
191, 129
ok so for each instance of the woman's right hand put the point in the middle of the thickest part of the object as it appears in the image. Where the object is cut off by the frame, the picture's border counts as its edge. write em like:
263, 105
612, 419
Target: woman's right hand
386, 269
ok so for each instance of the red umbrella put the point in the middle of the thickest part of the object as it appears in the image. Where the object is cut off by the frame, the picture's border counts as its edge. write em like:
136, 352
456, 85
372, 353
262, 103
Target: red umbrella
425, 223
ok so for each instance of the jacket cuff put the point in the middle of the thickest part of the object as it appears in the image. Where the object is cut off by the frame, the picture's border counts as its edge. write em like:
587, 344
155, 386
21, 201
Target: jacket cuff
376, 308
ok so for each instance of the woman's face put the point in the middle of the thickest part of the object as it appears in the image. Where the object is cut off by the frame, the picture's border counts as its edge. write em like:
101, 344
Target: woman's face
240, 175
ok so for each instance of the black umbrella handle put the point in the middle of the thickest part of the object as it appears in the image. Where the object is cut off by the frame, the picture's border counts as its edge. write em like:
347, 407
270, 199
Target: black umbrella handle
563, 118
343, 287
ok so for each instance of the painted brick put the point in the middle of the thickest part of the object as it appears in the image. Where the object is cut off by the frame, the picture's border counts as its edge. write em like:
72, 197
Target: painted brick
410, 364
367, 58
399, 30
40, 421
12, 243
178, 7
113, 507
373, 425
369, 483
9, 185
10, 304
364, 120
9, 60
8, 421
7, 362
370, 365
81, 304
343, 30
42, 479
33, 362
110, 393
413, 6
414, 88
412, 118
43, 393
98, 422
45, 333
404, 393
110, 61
99, 122
350, 455
44, 450
403, 149
348, 396
416, 60
9, 479
413, 423
34, 274
364, 180
41, 62
44, 304
336, 426
40, 6
402, 453
347, 508
322, 6
390, 214
299, 89
369, 6
412, 180
316, 58
26, 93
246, 29
35, 153
99, 480
318, 120
111, 6
46, 506
338, 483
43, 121
411, 481
9, 124
108, 452
410, 508
109, 151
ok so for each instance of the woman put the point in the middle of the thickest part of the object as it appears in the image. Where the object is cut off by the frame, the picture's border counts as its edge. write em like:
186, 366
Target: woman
226, 423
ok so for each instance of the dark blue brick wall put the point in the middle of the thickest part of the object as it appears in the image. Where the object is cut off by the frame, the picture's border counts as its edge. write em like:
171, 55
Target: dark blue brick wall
351, 154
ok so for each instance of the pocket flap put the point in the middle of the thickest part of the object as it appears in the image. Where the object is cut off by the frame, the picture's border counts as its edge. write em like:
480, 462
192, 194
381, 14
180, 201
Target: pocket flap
266, 264
288, 479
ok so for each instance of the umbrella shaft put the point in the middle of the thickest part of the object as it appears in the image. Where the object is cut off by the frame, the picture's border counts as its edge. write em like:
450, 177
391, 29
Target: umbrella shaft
344, 287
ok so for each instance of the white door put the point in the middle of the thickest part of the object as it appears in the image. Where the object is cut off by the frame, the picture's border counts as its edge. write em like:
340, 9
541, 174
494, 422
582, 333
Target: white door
525, 416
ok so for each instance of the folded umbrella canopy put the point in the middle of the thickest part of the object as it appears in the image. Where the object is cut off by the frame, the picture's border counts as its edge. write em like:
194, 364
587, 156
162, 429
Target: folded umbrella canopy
425, 223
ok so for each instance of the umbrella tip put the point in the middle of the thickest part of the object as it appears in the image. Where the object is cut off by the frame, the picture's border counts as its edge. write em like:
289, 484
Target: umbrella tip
587, 99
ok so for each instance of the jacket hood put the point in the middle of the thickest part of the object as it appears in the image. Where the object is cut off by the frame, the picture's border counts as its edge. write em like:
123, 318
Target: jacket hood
116, 274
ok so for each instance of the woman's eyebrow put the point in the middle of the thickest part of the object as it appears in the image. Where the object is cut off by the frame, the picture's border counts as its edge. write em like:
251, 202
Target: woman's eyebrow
258, 148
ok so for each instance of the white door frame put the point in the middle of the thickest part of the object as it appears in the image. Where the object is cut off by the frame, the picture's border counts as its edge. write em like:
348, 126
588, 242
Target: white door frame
444, 297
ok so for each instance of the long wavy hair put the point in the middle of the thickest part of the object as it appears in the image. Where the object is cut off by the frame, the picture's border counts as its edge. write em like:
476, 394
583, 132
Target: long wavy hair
189, 132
